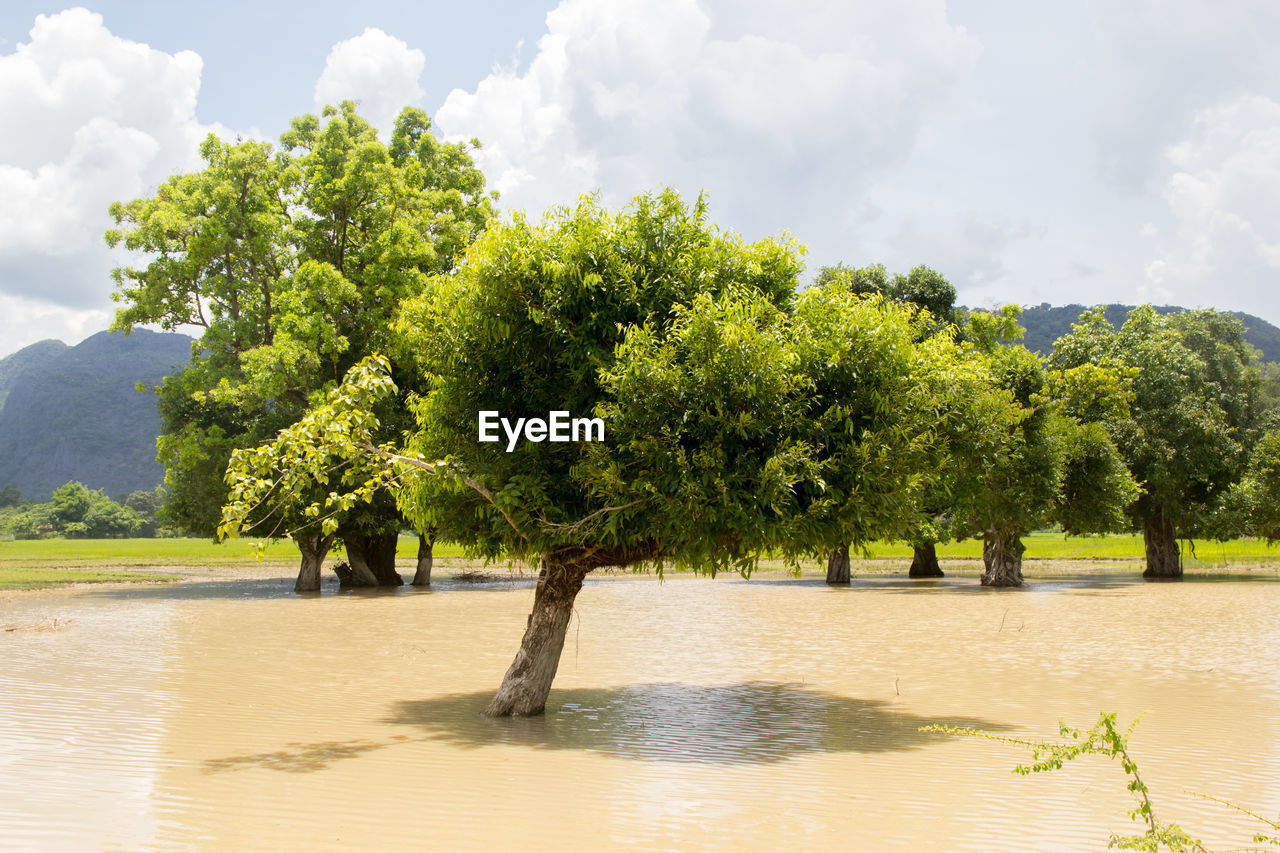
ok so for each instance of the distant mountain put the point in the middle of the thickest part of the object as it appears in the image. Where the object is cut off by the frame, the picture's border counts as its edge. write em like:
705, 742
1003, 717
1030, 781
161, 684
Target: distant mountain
73, 413
38, 355
1046, 323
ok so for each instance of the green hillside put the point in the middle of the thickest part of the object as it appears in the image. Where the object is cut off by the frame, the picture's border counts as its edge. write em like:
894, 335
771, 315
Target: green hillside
1046, 323
35, 357
73, 413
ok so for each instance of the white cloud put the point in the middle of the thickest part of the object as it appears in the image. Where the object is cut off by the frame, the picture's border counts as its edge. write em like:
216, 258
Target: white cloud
24, 321
1163, 61
378, 71
90, 118
1224, 196
782, 113
966, 248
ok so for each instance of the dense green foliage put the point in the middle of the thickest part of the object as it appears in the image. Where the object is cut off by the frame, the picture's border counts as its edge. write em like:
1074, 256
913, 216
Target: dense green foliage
1252, 506
1045, 323
922, 287
293, 262
74, 511
1194, 414
741, 417
533, 323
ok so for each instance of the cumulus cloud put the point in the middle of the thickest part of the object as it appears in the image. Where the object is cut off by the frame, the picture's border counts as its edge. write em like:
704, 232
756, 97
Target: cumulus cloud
1163, 62
378, 71
90, 118
1224, 196
782, 113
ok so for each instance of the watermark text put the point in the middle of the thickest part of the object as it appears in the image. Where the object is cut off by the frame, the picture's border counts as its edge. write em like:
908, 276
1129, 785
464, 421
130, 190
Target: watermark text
557, 427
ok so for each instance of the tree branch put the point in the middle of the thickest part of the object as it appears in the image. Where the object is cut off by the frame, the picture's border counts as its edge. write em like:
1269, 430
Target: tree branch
439, 470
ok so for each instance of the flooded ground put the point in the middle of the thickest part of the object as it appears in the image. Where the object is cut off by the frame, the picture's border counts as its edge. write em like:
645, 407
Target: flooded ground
693, 714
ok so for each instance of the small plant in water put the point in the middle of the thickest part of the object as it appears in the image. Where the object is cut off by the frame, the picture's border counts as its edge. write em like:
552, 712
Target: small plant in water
1105, 738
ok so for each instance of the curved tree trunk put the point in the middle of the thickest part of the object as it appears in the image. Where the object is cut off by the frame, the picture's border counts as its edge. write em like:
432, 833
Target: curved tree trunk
924, 563
838, 565
1164, 561
1002, 555
527, 683
314, 547
422, 576
371, 560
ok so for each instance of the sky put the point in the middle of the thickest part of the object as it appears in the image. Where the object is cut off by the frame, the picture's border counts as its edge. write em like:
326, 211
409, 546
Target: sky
1080, 152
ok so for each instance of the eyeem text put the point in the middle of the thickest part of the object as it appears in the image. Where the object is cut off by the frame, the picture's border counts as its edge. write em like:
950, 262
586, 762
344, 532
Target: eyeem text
558, 426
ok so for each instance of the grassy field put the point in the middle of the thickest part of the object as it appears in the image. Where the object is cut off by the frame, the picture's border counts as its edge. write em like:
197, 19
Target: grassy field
28, 564
43, 563
1055, 546
122, 553
11, 578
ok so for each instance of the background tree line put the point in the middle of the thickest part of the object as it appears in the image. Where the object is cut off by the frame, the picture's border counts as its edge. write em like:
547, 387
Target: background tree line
78, 512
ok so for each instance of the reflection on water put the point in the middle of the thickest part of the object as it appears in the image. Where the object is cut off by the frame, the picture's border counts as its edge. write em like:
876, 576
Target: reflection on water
690, 714
735, 724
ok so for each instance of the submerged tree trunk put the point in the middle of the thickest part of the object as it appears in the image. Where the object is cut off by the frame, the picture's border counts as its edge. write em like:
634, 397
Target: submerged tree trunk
371, 560
1164, 561
838, 565
426, 541
1002, 556
527, 683
314, 547
924, 564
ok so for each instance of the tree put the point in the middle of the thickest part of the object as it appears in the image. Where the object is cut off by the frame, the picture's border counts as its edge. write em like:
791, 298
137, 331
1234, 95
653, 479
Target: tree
933, 297
891, 404
76, 511
147, 504
1194, 416
978, 438
694, 350
923, 287
1057, 464
1252, 505
294, 263
10, 496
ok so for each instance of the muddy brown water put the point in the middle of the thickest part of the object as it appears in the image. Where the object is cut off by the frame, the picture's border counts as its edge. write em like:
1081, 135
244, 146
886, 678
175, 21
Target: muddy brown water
692, 714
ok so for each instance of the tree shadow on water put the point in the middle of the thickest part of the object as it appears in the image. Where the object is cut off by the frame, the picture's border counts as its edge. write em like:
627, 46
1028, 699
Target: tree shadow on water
300, 757
746, 723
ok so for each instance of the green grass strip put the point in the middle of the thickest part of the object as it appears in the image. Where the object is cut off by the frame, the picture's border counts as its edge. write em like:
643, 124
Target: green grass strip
45, 578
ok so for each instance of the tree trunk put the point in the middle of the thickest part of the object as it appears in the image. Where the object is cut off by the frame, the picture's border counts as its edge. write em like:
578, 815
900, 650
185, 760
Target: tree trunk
838, 565
1164, 561
314, 547
371, 560
422, 577
1002, 555
527, 683
924, 564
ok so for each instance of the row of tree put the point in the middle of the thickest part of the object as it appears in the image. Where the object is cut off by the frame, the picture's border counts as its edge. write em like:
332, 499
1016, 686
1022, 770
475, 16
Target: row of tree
362, 305
75, 511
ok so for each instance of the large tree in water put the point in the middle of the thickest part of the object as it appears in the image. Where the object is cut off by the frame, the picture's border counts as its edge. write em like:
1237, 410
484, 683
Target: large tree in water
291, 261
1057, 464
1194, 416
720, 390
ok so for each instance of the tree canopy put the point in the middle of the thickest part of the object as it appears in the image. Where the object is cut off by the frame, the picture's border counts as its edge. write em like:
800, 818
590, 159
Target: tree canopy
1193, 419
294, 262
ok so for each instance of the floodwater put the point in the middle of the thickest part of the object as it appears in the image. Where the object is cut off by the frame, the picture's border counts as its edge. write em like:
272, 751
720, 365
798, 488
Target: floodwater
692, 714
